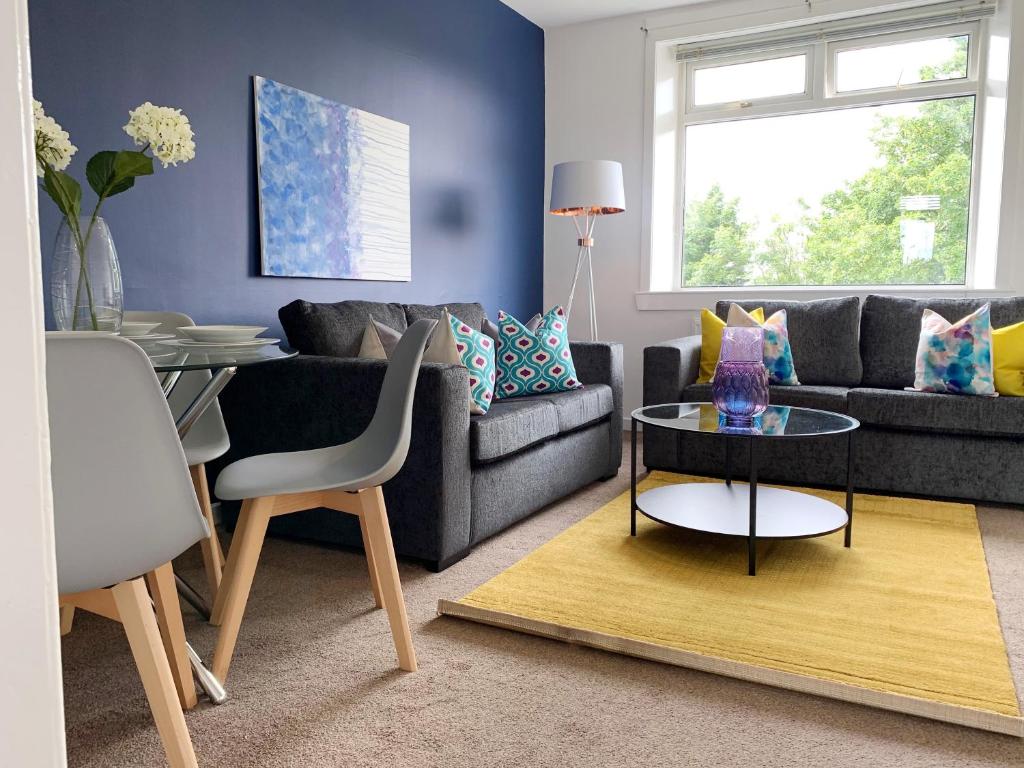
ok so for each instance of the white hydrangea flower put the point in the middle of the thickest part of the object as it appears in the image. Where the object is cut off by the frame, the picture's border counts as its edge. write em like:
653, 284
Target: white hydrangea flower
53, 144
165, 130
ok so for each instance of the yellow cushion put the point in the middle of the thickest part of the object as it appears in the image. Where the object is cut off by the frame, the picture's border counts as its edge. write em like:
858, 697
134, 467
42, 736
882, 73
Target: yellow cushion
711, 327
1008, 359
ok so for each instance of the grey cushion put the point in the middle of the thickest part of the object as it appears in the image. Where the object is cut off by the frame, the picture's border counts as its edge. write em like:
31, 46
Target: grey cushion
471, 314
804, 396
926, 411
580, 407
510, 426
335, 329
891, 325
823, 335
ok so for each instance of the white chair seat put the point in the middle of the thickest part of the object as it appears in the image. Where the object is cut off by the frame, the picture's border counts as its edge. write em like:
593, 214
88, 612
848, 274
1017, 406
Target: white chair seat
204, 448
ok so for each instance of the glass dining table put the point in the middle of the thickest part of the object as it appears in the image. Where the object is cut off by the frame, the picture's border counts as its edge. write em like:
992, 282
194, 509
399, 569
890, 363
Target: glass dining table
170, 360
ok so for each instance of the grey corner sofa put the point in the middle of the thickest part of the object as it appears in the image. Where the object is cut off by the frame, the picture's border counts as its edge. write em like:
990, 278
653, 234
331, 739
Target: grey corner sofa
857, 358
466, 477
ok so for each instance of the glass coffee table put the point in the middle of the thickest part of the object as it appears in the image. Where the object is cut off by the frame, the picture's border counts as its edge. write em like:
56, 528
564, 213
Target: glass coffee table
744, 510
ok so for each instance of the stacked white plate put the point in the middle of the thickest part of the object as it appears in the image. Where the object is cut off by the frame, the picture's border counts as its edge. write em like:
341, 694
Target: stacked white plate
222, 337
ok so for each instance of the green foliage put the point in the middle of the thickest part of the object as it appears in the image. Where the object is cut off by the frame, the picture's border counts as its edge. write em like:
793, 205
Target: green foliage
854, 238
717, 248
63, 190
110, 173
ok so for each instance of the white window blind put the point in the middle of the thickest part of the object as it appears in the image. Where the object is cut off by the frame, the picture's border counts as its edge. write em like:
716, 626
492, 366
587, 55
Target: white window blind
842, 29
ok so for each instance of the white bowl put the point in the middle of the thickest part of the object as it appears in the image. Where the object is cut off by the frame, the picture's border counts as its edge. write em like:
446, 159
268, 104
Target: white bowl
132, 330
222, 333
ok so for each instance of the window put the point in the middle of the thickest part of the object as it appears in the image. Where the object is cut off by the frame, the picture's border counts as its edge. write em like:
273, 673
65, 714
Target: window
838, 158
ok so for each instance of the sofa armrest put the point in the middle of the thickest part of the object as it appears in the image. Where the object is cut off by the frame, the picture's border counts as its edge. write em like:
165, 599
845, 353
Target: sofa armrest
669, 367
313, 402
599, 362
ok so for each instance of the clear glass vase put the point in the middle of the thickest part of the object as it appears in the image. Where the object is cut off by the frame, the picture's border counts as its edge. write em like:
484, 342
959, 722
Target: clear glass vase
86, 292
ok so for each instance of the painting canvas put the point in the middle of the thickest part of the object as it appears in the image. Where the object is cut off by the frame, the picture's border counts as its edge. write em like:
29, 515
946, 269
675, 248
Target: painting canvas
333, 188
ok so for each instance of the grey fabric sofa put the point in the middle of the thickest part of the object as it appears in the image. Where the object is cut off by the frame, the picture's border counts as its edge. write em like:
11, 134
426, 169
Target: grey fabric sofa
857, 359
466, 477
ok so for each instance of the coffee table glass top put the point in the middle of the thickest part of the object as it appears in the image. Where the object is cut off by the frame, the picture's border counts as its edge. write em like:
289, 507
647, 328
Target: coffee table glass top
778, 421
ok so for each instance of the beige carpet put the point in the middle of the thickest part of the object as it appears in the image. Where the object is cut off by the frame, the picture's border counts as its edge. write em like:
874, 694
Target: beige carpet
314, 684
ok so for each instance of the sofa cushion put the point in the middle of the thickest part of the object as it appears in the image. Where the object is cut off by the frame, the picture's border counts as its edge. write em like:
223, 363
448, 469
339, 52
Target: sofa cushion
580, 407
510, 426
472, 314
823, 335
335, 329
520, 422
925, 411
891, 326
804, 396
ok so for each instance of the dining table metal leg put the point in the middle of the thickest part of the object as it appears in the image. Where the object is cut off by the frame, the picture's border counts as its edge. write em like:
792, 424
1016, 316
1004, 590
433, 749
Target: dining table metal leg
213, 688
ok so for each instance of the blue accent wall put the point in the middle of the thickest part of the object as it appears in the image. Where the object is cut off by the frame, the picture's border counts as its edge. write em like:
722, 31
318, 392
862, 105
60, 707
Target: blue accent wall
466, 75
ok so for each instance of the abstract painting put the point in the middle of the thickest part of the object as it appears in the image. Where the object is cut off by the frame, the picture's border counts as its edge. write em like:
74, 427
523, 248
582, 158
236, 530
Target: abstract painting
333, 188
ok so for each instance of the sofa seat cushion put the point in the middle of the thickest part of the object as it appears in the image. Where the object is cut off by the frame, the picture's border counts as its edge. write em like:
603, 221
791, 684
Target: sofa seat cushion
580, 407
930, 412
510, 426
803, 396
520, 422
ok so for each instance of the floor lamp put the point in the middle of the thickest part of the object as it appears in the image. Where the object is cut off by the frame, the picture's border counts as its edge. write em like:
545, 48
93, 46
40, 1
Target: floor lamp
586, 189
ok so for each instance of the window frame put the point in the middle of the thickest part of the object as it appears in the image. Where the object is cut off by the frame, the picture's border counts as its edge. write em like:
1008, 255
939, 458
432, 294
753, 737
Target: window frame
820, 96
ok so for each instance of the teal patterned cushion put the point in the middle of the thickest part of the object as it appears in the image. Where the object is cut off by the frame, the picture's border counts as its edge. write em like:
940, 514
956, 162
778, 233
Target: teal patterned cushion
531, 363
476, 350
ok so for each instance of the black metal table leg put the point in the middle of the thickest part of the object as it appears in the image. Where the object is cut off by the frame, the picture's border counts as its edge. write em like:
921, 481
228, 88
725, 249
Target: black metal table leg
752, 535
848, 536
728, 462
632, 478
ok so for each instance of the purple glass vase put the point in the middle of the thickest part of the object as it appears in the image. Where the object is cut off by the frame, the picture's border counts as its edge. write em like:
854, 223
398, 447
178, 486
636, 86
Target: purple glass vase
739, 389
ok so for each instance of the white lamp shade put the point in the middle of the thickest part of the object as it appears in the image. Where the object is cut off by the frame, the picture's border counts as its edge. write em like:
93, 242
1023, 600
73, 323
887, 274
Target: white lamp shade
591, 187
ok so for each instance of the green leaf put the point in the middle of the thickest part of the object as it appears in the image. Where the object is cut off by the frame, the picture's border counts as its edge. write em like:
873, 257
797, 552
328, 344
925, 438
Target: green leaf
100, 171
129, 164
64, 190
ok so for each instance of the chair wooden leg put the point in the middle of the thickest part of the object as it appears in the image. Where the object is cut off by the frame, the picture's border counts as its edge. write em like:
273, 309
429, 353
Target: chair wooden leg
213, 556
140, 626
172, 631
238, 575
371, 564
383, 554
67, 617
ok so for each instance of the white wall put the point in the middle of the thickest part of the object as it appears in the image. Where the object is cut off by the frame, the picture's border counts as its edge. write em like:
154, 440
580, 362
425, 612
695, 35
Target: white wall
595, 95
595, 74
31, 713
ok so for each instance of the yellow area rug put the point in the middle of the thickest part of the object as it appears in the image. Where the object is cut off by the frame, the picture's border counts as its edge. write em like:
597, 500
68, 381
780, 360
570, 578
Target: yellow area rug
905, 620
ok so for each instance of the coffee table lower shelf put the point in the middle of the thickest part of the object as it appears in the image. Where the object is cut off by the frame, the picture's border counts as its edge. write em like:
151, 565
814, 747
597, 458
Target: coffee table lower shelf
726, 508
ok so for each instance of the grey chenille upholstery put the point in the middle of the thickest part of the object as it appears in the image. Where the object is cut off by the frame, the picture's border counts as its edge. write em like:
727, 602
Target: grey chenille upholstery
823, 335
123, 502
448, 495
909, 442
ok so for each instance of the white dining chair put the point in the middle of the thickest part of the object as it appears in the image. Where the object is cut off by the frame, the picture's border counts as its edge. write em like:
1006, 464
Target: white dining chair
346, 478
123, 508
205, 441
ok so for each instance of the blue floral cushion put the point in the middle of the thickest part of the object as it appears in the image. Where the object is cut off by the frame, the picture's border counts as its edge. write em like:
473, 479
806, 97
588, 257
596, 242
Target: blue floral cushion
533, 362
955, 358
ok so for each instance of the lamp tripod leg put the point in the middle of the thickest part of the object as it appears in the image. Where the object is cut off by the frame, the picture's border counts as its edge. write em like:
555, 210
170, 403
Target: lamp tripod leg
575, 279
593, 300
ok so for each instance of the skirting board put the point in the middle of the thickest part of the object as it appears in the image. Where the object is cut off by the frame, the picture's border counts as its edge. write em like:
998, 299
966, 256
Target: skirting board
948, 713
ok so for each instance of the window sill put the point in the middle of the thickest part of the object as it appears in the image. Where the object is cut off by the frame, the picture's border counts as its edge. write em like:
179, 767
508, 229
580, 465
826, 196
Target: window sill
692, 299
